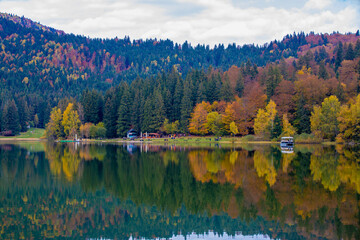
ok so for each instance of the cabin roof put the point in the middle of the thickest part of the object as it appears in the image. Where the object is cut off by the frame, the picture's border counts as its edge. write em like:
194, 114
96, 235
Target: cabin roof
131, 131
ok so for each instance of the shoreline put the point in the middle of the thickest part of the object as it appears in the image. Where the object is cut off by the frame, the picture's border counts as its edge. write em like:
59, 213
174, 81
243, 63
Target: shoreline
21, 139
166, 141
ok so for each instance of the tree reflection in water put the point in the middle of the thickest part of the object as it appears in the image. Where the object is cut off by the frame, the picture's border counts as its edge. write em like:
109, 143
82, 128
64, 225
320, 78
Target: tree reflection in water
89, 190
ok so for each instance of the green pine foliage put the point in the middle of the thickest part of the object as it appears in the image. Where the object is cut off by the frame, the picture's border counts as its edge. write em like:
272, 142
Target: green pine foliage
110, 117
10, 118
123, 122
277, 129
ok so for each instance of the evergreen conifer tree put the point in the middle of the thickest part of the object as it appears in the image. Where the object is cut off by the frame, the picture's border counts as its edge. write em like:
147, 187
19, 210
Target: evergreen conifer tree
123, 122
276, 130
178, 95
239, 87
322, 71
186, 108
111, 117
339, 56
225, 92
273, 80
350, 54
23, 114
302, 116
11, 118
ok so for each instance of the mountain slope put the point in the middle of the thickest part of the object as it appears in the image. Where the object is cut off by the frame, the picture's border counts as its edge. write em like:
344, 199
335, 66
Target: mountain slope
35, 57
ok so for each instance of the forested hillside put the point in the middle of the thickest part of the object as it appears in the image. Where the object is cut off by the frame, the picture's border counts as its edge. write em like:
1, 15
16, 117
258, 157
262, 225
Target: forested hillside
123, 83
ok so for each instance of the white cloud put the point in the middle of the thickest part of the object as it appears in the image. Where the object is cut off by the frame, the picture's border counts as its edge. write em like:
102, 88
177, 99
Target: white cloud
318, 4
216, 21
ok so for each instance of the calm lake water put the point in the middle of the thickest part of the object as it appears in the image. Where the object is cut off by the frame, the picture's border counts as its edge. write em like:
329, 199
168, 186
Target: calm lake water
94, 191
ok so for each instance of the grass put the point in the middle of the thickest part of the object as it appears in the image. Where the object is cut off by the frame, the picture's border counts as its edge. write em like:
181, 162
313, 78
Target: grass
206, 140
306, 138
31, 133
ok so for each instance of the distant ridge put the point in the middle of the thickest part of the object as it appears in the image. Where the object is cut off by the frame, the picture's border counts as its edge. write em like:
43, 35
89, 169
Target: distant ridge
37, 58
28, 23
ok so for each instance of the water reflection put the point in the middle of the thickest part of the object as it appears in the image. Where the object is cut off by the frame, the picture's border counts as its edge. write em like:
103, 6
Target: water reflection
89, 190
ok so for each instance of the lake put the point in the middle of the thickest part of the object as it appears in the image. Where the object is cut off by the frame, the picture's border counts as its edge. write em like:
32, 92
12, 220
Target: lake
109, 191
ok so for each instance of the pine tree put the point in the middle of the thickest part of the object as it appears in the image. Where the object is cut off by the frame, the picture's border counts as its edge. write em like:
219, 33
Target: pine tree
123, 122
339, 56
201, 93
213, 88
110, 117
159, 110
357, 48
11, 118
1, 113
276, 130
148, 116
36, 120
322, 71
93, 106
178, 95
302, 116
239, 87
350, 54
272, 81
225, 92
23, 114
154, 112
137, 110
186, 108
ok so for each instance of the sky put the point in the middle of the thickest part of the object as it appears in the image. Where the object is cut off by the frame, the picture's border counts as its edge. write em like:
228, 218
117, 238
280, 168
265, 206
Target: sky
206, 22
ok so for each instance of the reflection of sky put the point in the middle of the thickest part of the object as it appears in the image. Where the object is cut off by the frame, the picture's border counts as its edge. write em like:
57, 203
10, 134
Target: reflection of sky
212, 236
197, 21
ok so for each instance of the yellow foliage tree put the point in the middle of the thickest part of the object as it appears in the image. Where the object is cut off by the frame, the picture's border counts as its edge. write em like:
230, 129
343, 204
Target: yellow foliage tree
324, 123
70, 121
233, 128
214, 123
228, 117
54, 129
349, 121
288, 129
315, 120
261, 122
271, 112
265, 167
264, 121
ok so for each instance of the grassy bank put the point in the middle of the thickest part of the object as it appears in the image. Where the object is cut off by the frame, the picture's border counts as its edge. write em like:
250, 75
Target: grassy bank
201, 140
31, 134
36, 134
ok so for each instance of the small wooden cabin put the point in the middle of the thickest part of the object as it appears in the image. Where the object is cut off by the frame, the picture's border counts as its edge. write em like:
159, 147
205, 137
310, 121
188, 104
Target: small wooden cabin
131, 134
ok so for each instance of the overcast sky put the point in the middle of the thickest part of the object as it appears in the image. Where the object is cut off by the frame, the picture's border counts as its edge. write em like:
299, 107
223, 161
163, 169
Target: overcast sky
198, 21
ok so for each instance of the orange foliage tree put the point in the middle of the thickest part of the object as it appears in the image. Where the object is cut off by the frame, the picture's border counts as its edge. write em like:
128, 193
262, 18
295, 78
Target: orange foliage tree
198, 119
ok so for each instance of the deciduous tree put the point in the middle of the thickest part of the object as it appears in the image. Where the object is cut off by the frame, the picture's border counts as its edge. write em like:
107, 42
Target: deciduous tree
55, 129
70, 121
287, 128
198, 120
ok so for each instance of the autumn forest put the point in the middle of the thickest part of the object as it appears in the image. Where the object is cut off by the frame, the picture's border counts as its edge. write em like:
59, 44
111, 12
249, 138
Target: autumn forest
305, 84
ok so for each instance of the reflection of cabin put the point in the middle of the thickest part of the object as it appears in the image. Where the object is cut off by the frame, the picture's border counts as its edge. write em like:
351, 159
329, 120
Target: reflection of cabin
287, 142
131, 134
